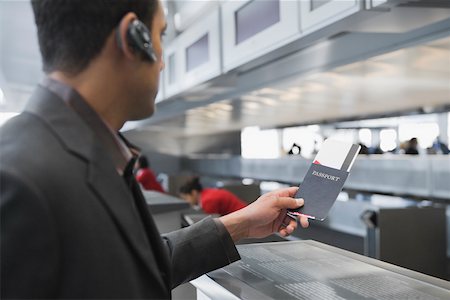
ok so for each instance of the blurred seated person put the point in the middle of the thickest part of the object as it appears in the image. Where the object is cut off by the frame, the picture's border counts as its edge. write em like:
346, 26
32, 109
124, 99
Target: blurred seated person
146, 177
210, 200
440, 147
412, 147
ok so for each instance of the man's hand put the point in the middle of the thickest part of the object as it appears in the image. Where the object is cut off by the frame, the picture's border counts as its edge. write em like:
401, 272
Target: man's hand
265, 216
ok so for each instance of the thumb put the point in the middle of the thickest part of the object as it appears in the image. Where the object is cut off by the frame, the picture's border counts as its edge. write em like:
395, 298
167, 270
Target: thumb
288, 202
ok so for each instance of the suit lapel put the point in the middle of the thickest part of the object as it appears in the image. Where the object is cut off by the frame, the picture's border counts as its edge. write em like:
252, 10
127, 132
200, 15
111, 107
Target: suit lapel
153, 234
103, 179
118, 201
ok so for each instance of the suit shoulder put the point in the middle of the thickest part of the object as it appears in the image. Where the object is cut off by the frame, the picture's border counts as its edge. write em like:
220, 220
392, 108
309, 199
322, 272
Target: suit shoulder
27, 140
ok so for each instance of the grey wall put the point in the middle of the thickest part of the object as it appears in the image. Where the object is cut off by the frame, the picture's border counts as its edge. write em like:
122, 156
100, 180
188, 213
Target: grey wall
172, 144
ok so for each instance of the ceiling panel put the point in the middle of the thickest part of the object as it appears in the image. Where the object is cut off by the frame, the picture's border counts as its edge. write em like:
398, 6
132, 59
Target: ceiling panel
403, 80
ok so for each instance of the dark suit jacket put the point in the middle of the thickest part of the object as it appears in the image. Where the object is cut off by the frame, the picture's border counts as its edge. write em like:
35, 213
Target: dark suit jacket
69, 223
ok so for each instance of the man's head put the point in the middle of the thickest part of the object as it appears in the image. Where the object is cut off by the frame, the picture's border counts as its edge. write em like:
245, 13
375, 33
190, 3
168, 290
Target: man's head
143, 162
77, 35
413, 142
190, 191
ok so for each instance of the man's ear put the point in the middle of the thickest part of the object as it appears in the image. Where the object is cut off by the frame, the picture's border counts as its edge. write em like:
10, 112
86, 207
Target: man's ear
121, 36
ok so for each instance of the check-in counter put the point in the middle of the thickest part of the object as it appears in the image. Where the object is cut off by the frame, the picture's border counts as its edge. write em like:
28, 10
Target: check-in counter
312, 270
405, 175
192, 218
166, 210
391, 229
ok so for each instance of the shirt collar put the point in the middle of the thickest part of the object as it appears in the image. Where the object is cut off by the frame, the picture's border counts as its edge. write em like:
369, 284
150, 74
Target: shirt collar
122, 152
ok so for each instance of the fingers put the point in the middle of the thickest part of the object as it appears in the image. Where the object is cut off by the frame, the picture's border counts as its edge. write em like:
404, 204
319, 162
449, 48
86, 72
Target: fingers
288, 202
287, 192
287, 226
304, 221
285, 231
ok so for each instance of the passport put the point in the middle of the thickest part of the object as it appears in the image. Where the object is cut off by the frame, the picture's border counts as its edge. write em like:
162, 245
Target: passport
325, 179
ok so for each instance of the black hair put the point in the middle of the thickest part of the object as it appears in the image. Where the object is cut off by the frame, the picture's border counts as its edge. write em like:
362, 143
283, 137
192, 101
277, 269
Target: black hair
191, 185
73, 32
143, 162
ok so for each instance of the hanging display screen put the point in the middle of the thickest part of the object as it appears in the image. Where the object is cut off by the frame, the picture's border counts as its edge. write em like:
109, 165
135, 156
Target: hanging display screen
197, 53
315, 4
254, 17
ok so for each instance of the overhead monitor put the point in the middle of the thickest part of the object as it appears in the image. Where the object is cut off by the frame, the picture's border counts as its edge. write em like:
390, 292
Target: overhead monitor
254, 17
197, 53
315, 4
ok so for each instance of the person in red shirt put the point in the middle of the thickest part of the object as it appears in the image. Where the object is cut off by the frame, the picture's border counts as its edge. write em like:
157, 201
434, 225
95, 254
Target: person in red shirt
211, 201
146, 177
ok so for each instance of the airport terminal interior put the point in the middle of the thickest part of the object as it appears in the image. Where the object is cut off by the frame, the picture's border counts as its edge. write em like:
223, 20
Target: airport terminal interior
251, 90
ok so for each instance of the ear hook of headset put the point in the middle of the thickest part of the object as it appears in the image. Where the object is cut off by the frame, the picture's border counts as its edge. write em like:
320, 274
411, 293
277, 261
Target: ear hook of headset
139, 39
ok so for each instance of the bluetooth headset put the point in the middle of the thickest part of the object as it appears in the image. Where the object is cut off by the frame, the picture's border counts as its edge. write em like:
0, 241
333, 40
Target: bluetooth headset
139, 39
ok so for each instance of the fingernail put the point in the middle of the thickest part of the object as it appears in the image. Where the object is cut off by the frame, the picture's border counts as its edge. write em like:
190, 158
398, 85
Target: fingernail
289, 229
300, 201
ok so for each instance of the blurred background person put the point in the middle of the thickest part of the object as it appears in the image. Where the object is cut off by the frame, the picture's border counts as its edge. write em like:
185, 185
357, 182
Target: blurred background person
210, 200
440, 147
146, 177
412, 147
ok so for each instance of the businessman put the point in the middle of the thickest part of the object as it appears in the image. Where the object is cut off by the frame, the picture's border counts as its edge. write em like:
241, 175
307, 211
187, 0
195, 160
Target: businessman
74, 223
